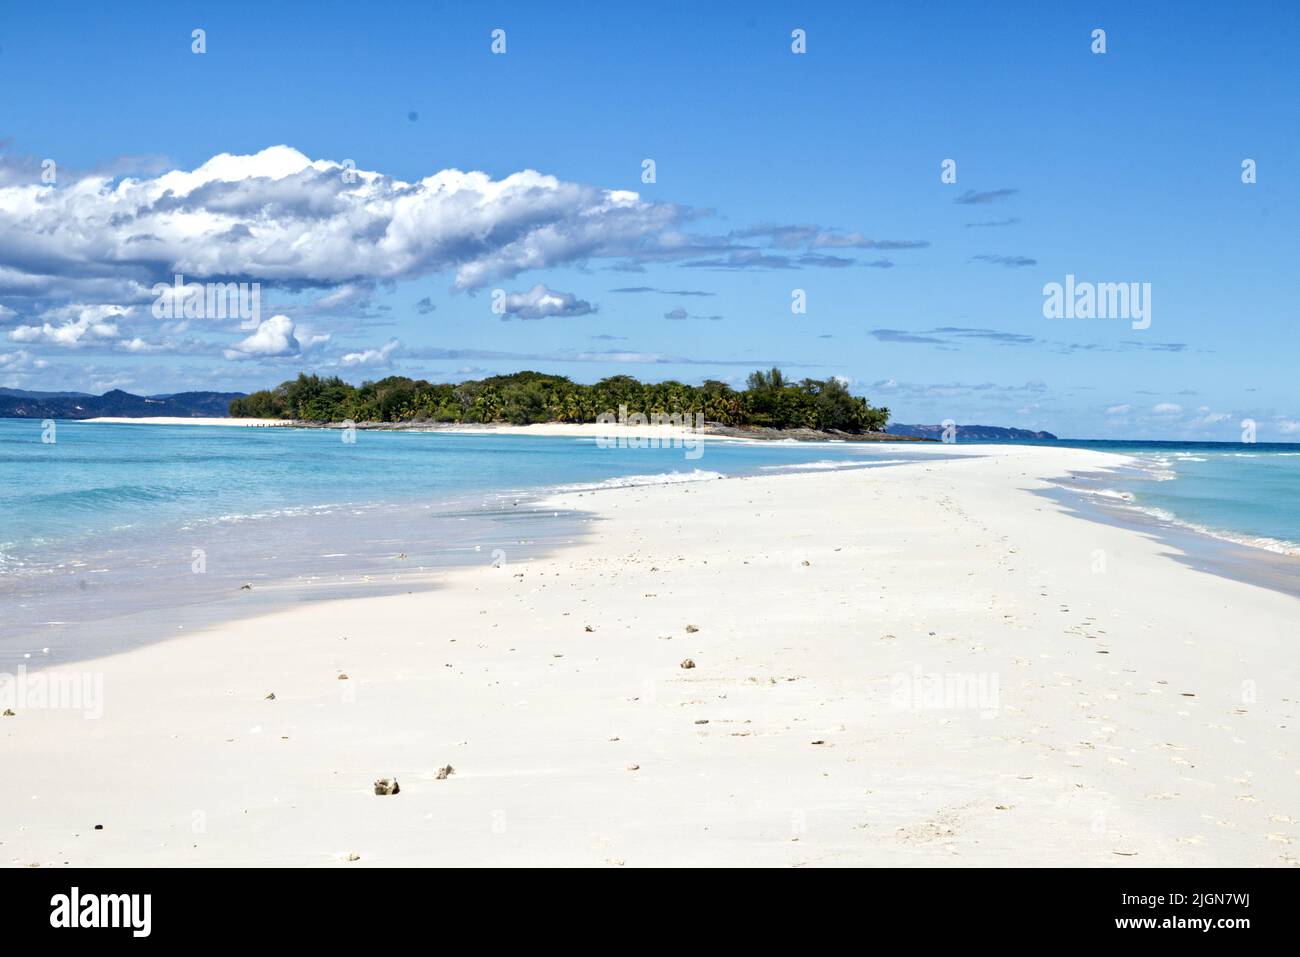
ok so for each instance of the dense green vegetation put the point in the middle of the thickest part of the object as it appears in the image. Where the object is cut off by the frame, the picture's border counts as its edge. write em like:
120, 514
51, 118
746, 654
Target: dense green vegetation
525, 397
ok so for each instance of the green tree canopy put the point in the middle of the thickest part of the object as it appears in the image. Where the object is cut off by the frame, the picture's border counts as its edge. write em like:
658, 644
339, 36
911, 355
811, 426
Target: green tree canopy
522, 398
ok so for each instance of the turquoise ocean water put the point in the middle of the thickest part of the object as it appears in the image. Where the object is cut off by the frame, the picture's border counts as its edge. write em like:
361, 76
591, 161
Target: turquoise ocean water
99, 479
1244, 493
110, 523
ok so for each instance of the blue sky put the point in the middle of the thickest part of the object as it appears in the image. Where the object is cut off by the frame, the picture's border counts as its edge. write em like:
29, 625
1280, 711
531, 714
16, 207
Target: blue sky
775, 172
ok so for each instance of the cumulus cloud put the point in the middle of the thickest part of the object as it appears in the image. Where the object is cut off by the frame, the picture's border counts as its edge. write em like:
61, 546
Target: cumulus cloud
1167, 408
80, 259
351, 296
382, 356
1207, 416
20, 361
279, 216
541, 302
73, 326
274, 337
138, 345
290, 222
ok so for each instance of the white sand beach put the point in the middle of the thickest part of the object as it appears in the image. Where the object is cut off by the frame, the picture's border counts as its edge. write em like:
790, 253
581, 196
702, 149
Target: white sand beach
576, 430
1107, 705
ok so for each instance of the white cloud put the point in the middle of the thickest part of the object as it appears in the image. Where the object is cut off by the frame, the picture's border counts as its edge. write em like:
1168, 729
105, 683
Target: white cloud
1288, 426
74, 326
1119, 410
278, 216
137, 344
372, 357
348, 296
20, 361
540, 302
1167, 408
274, 337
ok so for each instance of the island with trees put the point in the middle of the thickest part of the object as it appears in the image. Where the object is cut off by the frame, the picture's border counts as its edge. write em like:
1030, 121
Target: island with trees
769, 401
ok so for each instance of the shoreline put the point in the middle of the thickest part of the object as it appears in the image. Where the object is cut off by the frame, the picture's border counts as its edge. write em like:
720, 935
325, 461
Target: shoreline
1130, 509
124, 578
220, 597
712, 432
1138, 713
1227, 554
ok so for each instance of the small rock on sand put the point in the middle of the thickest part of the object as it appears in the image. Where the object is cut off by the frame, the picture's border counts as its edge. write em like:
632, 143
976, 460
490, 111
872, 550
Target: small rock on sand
8, 713
688, 663
445, 772
634, 767
384, 786
691, 629
343, 676
271, 696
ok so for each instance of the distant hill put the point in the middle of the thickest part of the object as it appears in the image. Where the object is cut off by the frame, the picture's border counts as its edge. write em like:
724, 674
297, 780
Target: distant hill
18, 404
23, 394
976, 432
